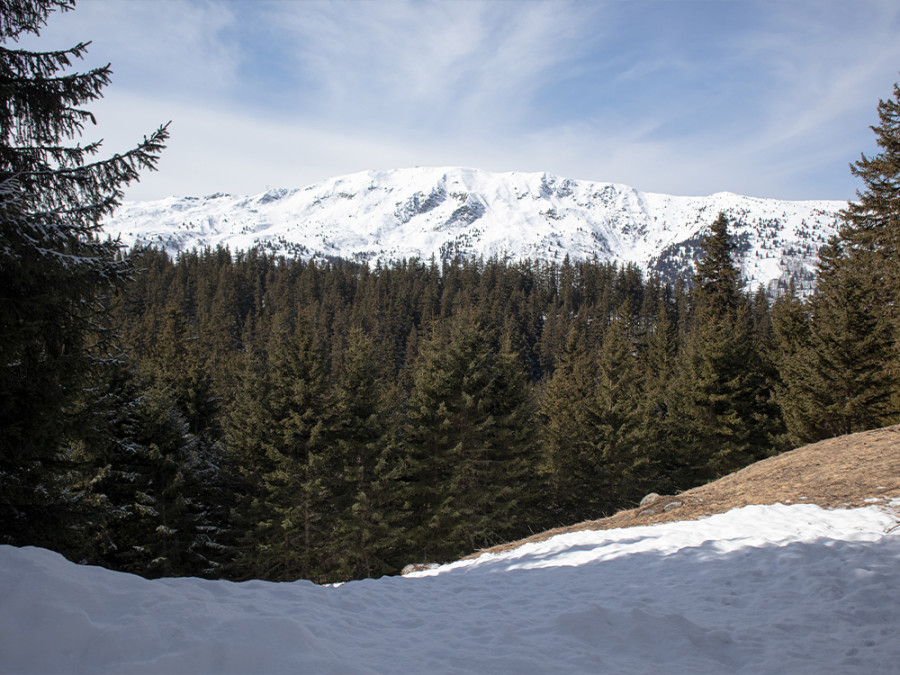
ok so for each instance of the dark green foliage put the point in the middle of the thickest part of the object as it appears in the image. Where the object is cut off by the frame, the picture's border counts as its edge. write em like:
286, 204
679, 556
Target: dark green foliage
626, 465
870, 236
841, 361
362, 435
722, 402
55, 269
594, 437
362, 403
717, 278
658, 351
143, 481
468, 444
794, 359
837, 351
152, 486
297, 486
569, 434
872, 223
249, 431
292, 466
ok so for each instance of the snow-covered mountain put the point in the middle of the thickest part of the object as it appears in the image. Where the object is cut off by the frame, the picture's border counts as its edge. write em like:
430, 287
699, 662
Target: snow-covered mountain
447, 212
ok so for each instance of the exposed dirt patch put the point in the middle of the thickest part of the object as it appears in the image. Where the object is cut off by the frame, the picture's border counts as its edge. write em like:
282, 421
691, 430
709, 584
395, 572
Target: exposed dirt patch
836, 473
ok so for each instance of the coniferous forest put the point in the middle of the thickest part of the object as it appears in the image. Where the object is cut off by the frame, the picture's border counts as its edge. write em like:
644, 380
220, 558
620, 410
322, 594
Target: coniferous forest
231, 414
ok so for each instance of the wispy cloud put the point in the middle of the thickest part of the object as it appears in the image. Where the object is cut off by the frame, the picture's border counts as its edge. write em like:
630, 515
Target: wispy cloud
435, 65
760, 97
169, 48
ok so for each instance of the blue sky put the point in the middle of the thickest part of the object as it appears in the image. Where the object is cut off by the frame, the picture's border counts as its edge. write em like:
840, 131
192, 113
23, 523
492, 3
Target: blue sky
770, 98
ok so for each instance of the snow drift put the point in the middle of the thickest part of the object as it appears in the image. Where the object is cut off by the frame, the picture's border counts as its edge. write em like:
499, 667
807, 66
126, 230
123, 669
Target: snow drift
762, 589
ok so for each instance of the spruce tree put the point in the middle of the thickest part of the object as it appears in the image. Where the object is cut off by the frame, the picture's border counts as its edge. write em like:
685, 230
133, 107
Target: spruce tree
797, 370
144, 519
845, 372
723, 410
657, 365
249, 431
872, 223
569, 434
871, 235
838, 377
468, 445
358, 438
625, 462
54, 264
287, 463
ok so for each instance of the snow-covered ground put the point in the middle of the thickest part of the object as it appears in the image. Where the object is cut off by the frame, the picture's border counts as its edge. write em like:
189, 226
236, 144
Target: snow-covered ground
763, 589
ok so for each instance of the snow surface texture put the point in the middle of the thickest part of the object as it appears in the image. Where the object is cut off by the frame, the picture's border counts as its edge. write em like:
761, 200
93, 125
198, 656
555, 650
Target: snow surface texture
762, 589
449, 212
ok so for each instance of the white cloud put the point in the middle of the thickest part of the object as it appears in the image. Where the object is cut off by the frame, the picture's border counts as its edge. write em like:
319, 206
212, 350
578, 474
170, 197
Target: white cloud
436, 64
169, 47
824, 67
288, 93
214, 150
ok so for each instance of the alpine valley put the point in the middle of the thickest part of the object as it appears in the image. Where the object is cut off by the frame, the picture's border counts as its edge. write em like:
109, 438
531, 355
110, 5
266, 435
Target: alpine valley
442, 213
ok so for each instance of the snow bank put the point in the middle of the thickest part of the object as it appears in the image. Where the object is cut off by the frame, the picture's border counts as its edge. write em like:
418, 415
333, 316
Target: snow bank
763, 589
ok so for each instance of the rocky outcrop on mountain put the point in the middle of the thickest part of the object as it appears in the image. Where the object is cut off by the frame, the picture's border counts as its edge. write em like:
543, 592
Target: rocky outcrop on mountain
451, 212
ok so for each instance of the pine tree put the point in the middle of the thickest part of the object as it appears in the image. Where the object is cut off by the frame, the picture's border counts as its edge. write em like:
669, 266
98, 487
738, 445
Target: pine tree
872, 223
468, 445
569, 434
358, 439
625, 462
722, 401
288, 465
844, 374
837, 373
54, 265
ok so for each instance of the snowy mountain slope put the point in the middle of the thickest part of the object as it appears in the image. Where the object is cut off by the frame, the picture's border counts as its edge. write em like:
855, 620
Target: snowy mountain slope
762, 589
447, 212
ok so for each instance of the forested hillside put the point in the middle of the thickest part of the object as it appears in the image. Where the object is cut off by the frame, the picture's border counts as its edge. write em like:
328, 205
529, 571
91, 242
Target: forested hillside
289, 419
285, 419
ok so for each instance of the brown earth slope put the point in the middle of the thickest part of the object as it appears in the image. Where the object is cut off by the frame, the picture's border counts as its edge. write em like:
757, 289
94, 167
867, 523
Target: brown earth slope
836, 473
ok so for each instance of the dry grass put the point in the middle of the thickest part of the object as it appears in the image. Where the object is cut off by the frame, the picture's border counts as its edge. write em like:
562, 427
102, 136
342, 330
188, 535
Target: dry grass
836, 473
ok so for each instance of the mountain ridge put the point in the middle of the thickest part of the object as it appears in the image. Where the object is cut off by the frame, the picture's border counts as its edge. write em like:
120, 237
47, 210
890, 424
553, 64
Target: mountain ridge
449, 212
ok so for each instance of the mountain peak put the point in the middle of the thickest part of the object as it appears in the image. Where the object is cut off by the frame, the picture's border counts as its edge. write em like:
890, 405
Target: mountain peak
449, 212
